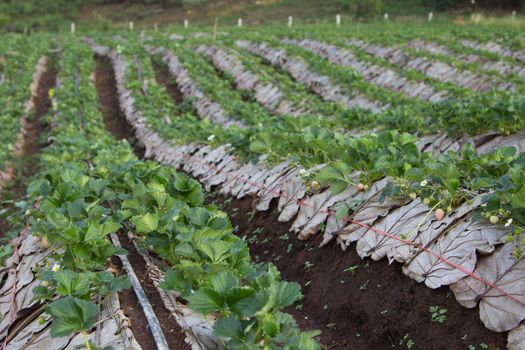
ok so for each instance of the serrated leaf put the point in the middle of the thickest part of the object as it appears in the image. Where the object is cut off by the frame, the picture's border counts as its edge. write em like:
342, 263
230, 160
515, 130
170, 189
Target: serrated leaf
287, 293
71, 315
145, 223
228, 327
224, 281
205, 301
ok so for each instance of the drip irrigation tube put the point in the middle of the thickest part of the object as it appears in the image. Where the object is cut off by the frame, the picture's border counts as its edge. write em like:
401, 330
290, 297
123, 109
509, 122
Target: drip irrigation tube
153, 322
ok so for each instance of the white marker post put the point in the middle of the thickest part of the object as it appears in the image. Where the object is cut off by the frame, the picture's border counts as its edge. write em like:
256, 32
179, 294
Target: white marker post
338, 20
131, 25
73, 27
142, 37
186, 23
386, 16
290, 21
239, 22
430, 16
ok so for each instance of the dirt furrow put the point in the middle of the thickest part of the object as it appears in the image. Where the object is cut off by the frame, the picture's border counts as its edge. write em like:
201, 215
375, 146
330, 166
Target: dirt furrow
25, 163
117, 124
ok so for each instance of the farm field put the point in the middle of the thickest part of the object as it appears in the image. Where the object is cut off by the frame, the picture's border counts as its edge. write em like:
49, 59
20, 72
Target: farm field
312, 187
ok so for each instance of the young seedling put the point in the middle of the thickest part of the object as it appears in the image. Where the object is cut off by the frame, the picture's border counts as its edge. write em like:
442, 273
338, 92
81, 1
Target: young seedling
284, 237
250, 216
409, 343
364, 285
289, 249
308, 265
438, 314
352, 269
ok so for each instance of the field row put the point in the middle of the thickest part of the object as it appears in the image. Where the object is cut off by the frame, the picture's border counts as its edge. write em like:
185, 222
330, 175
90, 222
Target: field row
410, 155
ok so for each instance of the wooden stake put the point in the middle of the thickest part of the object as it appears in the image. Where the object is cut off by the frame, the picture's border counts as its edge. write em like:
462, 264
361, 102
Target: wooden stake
215, 25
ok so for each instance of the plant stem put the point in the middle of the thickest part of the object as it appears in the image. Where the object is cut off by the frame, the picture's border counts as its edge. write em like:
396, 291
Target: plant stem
84, 333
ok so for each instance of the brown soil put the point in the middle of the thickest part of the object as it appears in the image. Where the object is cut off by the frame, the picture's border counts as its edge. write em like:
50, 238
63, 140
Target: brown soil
25, 166
129, 303
117, 124
163, 78
376, 307
114, 119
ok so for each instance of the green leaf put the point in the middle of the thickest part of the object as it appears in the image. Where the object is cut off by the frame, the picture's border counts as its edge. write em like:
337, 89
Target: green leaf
205, 301
228, 327
217, 251
71, 315
270, 325
71, 283
224, 281
286, 293
145, 223
174, 280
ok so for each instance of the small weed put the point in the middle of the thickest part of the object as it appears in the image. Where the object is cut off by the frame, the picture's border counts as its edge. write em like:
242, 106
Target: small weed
438, 314
364, 285
258, 230
484, 345
299, 307
307, 283
250, 216
384, 312
308, 265
352, 269
284, 237
407, 341
290, 248
331, 326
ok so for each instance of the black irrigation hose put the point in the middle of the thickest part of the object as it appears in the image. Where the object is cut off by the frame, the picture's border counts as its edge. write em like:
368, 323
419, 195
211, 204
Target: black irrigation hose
153, 322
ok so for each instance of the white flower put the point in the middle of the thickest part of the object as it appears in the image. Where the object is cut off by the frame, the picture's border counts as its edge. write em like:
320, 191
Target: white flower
508, 223
304, 173
423, 183
260, 125
211, 137
55, 267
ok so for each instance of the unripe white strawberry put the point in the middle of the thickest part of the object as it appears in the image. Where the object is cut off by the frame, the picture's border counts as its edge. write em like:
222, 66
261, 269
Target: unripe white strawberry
439, 214
413, 195
44, 243
494, 219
